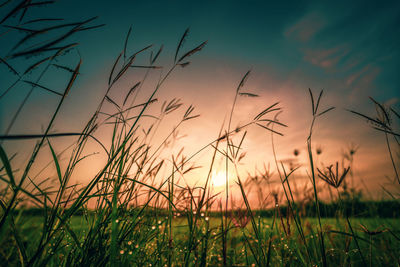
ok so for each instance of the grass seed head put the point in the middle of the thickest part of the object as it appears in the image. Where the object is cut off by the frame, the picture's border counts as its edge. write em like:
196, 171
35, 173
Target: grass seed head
332, 177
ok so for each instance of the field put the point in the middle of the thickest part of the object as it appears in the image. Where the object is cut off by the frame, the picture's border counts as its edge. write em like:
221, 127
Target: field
138, 205
150, 245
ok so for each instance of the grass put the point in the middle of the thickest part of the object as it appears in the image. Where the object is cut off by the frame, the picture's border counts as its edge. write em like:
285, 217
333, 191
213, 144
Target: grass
285, 249
137, 210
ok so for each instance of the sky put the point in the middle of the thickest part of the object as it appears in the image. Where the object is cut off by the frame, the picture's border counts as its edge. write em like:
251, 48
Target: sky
348, 49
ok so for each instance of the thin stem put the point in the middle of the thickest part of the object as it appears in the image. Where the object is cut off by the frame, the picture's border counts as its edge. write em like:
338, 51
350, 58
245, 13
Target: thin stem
391, 157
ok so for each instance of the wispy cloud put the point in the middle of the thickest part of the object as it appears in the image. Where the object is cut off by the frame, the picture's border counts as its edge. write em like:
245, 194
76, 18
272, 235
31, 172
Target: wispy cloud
326, 58
309, 25
363, 80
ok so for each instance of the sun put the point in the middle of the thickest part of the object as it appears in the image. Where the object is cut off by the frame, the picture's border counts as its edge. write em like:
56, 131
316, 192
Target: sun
218, 178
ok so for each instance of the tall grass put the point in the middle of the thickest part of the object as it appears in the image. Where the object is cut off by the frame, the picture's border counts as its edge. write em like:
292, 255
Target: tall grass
137, 209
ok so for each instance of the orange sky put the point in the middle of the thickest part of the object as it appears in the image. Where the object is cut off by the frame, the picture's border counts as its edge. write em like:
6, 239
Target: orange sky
349, 52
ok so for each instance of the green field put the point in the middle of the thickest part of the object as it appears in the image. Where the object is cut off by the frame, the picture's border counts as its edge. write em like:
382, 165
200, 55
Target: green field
149, 244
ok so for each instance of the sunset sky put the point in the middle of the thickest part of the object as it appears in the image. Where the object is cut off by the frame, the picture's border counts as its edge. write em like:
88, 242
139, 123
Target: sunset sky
348, 48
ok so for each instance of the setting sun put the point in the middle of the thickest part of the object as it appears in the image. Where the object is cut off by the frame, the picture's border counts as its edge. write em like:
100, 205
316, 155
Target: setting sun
218, 178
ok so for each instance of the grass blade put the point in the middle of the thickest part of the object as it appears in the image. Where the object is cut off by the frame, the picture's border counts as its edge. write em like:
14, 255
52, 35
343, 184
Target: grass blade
56, 163
181, 42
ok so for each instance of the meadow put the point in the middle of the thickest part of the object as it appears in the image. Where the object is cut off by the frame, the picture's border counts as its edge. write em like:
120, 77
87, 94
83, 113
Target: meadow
286, 248
135, 210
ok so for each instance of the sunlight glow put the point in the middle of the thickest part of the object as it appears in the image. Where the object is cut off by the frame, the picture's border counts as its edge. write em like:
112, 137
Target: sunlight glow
218, 178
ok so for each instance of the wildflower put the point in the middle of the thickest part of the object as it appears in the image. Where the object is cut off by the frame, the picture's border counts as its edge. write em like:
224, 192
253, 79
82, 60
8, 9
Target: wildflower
319, 150
333, 178
351, 150
240, 218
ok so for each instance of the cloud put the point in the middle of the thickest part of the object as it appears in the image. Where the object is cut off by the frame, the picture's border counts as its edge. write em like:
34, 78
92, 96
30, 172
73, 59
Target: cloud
363, 80
392, 101
353, 78
326, 58
306, 28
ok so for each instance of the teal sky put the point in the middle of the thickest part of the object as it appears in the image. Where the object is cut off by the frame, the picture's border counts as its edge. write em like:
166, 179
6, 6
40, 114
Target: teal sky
343, 40
348, 48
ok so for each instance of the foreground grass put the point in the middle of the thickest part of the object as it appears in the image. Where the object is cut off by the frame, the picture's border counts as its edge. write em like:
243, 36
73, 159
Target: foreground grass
148, 244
